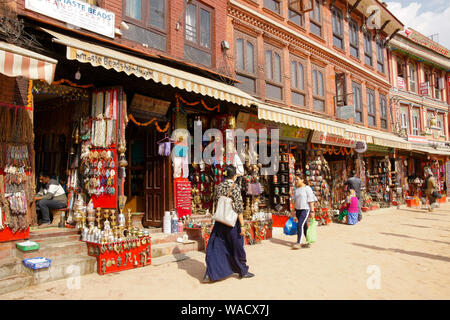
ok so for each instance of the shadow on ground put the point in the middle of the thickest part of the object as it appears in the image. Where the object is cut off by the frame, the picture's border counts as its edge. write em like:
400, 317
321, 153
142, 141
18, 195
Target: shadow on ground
405, 236
411, 253
194, 268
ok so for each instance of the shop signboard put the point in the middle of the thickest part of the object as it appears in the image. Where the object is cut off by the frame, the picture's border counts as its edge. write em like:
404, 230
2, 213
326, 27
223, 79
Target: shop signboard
424, 89
448, 82
331, 139
77, 13
150, 105
346, 112
361, 147
447, 175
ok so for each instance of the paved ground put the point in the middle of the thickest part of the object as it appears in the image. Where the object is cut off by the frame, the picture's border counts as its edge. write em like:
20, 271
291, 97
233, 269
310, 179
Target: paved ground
390, 254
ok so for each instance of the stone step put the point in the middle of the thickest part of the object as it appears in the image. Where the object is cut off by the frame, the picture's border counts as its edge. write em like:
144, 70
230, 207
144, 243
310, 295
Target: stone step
177, 257
64, 238
14, 283
160, 237
154, 230
51, 232
63, 268
52, 250
10, 267
172, 248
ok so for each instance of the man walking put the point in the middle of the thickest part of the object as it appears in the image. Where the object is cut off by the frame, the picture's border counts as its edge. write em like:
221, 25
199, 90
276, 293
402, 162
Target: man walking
50, 196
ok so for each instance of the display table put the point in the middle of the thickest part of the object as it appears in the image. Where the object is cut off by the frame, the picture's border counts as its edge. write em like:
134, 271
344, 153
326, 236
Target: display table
7, 235
279, 221
412, 202
123, 255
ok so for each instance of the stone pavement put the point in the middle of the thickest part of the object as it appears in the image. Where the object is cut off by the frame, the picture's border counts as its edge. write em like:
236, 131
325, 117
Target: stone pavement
390, 254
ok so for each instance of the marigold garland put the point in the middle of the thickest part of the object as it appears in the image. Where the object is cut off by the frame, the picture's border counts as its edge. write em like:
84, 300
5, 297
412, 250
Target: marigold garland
178, 97
140, 124
30, 95
72, 84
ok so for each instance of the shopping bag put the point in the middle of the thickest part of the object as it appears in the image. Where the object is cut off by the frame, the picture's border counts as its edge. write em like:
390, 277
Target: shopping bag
290, 227
311, 234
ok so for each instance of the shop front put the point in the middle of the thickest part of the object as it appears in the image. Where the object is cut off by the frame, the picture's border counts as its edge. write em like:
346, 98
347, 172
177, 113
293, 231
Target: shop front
18, 66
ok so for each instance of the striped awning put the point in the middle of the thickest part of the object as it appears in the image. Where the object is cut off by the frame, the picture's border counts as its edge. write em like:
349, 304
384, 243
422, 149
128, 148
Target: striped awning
301, 120
430, 150
16, 61
98, 55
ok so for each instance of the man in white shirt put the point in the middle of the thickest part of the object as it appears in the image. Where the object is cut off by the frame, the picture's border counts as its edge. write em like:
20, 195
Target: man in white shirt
50, 196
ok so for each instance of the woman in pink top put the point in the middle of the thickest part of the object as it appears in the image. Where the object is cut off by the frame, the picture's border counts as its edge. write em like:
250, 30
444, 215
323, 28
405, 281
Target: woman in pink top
353, 210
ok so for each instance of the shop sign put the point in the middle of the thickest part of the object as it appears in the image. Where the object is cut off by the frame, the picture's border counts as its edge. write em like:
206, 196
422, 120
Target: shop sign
447, 176
426, 42
424, 89
76, 12
108, 63
401, 83
147, 104
331, 139
361, 147
448, 81
345, 112
377, 148
251, 121
418, 139
293, 133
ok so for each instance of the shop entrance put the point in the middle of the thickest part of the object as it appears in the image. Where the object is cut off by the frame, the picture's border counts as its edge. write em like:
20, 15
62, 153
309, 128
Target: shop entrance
147, 186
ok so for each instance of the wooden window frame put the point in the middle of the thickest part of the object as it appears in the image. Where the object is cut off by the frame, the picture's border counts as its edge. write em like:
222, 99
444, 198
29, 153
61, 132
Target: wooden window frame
418, 121
302, 18
197, 44
271, 81
380, 50
317, 68
371, 113
361, 109
279, 5
408, 124
312, 20
428, 72
416, 84
435, 86
383, 106
145, 21
246, 73
304, 91
368, 53
354, 45
336, 12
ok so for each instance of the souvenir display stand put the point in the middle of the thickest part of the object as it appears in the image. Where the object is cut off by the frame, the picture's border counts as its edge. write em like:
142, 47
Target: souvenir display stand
16, 187
282, 190
379, 181
317, 174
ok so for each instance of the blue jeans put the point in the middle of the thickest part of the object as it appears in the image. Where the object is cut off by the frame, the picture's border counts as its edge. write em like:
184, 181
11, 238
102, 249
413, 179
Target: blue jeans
45, 205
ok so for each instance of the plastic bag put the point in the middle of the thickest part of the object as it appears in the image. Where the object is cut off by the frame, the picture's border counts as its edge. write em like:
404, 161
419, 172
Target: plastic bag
311, 234
290, 228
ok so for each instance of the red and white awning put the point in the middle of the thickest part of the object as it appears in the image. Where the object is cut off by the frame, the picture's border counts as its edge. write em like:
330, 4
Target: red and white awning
16, 61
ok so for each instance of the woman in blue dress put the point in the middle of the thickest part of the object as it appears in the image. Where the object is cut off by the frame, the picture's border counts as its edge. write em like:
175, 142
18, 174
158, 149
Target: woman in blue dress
225, 254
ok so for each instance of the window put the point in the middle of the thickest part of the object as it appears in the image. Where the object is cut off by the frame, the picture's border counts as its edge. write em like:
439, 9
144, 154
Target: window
198, 33
401, 72
371, 109
380, 56
415, 113
274, 86
338, 32
315, 19
427, 73
298, 93
437, 90
440, 122
357, 101
404, 117
341, 97
318, 89
412, 77
295, 17
354, 38
147, 21
368, 48
273, 5
383, 112
245, 63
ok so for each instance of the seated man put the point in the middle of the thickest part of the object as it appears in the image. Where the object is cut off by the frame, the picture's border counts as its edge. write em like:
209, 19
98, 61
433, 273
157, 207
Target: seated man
50, 196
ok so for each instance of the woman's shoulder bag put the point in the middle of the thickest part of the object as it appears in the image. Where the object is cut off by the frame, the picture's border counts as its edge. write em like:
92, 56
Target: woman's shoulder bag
224, 210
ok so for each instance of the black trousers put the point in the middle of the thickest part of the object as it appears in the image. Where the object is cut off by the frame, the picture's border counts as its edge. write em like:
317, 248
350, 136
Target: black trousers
302, 225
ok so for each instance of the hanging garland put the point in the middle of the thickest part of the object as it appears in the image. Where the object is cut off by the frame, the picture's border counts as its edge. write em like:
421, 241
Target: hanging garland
140, 124
179, 98
70, 83
334, 150
30, 94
